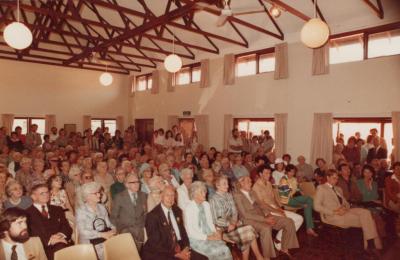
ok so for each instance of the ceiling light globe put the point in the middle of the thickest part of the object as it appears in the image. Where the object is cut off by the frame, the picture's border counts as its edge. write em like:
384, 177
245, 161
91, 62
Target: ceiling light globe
173, 63
275, 11
106, 79
314, 33
17, 35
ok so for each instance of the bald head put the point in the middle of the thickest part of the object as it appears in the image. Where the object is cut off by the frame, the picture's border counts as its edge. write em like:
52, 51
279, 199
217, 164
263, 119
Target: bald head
168, 196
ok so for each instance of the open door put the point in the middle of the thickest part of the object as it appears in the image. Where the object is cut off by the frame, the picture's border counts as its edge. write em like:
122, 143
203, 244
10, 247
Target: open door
144, 129
187, 127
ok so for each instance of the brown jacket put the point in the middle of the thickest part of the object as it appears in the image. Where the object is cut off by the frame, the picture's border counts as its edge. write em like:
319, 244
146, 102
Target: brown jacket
33, 250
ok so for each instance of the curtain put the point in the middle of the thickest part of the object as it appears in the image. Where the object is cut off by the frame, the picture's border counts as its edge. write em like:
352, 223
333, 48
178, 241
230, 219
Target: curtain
132, 85
155, 88
170, 87
50, 122
280, 134
205, 73
396, 135
228, 124
202, 127
120, 123
281, 61
320, 62
87, 122
321, 138
229, 69
171, 121
8, 120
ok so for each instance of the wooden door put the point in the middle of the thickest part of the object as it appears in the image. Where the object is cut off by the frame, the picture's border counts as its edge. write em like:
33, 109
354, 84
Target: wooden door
187, 127
144, 129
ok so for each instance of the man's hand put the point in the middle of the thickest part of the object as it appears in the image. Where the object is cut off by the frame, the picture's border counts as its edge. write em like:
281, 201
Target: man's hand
340, 211
231, 227
215, 236
184, 254
107, 234
270, 220
57, 238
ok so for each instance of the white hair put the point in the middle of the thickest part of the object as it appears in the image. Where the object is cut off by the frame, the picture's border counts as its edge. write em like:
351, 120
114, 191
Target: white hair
186, 171
89, 188
195, 187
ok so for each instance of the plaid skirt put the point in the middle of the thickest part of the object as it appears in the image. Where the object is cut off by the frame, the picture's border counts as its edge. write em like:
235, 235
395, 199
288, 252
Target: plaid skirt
242, 236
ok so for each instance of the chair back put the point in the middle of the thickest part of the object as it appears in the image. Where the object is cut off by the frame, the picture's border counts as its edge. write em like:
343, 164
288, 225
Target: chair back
121, 246
83, 251
307, 188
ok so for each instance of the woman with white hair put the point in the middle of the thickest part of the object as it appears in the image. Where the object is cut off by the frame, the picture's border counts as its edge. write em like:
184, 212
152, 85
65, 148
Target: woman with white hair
92, 221
203, 236
156, 186
183, 189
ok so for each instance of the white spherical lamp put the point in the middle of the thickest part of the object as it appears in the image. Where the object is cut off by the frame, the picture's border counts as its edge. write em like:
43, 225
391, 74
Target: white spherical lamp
314, 33
106, 79
173, 63
17, 35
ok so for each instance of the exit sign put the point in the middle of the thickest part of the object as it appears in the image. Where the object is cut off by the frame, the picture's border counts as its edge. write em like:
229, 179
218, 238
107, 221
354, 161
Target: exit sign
186, 113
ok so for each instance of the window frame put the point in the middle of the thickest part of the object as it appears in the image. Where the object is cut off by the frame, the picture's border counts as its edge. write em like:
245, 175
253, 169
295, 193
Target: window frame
251, 119
365, 33
380, 120
257, 54
148, 76
102, 121
191, 67
29, 122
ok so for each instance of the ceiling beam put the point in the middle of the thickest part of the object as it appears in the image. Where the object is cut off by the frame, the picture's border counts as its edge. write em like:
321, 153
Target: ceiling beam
377, 10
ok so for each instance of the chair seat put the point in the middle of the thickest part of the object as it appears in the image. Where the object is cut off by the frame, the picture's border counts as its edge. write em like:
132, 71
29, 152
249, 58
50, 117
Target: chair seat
82, 251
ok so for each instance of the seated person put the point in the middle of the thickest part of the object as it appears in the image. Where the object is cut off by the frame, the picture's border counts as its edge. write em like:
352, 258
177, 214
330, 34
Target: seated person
119, 185
335, 210
15, 242
129, 209
183, 190
167, 237
156, 186
305, 170
392, 189
92, 222
268, 199
225, 217
203, 236
16, 197
290, 195
48, 222
263, 221
348, 184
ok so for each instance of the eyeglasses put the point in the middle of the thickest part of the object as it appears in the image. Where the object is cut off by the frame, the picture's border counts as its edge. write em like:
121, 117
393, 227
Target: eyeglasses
96, 193
88, 177
134, 182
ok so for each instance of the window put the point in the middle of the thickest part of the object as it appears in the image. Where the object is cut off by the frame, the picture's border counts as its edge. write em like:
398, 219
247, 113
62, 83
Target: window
101, 123
349, 126
255, 126
187, 74
255, 62
384, 44
26, 122
144, 82
346, 49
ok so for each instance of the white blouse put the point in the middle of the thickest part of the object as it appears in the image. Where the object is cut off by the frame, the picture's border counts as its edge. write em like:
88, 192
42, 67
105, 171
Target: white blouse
191, 215
183, 196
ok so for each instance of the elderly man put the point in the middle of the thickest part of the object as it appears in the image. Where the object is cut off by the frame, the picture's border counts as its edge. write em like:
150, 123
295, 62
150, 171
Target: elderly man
165, 173
15, 242
129, 209
47, 221
262, 220
335, 210
235, 142
305, 171
33, 139
167, 237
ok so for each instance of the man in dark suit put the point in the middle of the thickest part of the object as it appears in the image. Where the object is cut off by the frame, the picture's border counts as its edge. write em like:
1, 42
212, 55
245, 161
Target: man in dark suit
129, 208
48, 222
167, 237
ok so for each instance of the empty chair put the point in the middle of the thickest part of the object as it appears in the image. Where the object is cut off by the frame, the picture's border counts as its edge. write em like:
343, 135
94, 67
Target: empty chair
120, 247
77, 252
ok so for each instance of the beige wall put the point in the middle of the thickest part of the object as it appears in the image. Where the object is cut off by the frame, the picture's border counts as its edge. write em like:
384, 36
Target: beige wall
367, 88
29, 89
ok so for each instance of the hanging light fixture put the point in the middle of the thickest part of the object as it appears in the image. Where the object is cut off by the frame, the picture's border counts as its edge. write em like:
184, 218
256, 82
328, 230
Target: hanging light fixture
315, 32
106, 79
17, 35
274, 11
173, 63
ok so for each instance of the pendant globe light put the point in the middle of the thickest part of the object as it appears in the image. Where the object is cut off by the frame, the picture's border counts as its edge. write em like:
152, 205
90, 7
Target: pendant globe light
315, 32
17, 35
173, 63
106, 79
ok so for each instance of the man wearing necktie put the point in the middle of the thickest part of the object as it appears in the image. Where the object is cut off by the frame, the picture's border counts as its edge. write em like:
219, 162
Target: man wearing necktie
167, 237
15, 243
335, 210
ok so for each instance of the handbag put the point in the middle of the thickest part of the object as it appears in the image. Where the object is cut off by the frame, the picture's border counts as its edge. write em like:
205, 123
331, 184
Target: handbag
99, 225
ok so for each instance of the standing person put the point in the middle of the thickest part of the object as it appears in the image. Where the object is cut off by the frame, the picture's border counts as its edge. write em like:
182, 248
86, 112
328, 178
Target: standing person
167, 237
268, 142
15, 242
48, 222
235, 142
129, 209
33, 139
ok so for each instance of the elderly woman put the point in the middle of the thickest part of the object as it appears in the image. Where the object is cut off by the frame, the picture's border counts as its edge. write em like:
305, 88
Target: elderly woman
156, 185
209, 178
16, 198
183, 190
146, 174
225, 216
203, 236
290, 195
93, 224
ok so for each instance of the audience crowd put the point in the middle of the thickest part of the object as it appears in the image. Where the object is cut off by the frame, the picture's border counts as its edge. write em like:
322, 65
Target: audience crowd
179, 200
